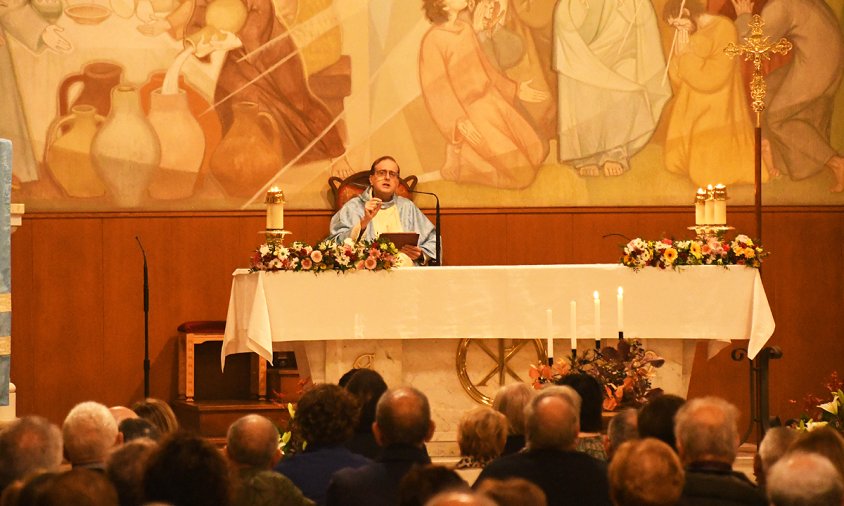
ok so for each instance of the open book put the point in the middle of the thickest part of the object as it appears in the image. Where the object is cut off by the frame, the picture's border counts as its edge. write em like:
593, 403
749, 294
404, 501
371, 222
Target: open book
401, 239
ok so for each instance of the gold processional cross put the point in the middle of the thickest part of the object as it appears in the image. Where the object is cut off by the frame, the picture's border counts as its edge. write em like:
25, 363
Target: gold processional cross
757, 47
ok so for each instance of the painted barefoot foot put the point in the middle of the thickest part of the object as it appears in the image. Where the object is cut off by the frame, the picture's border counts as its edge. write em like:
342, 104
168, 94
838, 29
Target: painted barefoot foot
613, 168
450, 171
836, 164
341, 168
589, 170
768, 159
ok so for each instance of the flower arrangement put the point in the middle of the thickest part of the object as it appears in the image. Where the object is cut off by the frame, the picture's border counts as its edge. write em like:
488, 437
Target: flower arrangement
667, 253
821, 411
376, 255
625, 373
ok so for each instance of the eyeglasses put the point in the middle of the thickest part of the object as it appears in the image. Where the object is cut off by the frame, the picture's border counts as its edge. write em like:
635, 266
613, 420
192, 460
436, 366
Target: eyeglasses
386, 174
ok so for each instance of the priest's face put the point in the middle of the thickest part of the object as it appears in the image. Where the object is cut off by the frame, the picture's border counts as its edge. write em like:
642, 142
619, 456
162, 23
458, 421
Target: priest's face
385, 181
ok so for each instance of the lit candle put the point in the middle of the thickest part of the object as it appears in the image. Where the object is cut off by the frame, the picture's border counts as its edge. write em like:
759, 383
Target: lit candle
573, 325
700, 200
275, 209
597, 298
709, 206
549, 325
620, 308
720, 212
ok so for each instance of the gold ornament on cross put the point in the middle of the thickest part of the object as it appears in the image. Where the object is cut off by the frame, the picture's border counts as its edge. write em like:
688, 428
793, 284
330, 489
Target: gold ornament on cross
758, 47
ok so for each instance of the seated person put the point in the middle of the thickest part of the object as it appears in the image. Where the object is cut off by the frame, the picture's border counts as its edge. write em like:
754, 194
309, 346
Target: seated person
379, 210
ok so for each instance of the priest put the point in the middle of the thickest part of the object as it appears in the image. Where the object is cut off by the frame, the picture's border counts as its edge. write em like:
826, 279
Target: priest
379, 210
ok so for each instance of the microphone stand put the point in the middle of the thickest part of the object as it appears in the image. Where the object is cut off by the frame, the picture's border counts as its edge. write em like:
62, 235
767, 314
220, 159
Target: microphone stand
146, 320
438, 260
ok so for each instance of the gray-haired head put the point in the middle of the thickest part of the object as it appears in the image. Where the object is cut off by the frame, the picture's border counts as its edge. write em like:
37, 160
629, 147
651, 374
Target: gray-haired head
804, 479
26, 445
89, 431
773, 447
511, 400
552, 419
622, 428
707, 430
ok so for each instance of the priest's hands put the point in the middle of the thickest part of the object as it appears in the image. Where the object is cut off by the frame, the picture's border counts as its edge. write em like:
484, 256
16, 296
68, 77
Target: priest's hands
414, 252
370, 209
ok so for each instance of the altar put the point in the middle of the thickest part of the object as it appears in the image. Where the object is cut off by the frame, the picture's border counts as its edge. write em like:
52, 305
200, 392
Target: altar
407, 323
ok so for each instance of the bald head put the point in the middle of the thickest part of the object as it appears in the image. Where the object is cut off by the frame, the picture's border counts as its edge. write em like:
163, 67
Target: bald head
252, 441
552, 419
804, 479
403, 416
460, 499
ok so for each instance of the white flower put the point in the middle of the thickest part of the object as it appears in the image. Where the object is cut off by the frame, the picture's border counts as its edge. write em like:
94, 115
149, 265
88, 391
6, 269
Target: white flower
348, 241
264, 249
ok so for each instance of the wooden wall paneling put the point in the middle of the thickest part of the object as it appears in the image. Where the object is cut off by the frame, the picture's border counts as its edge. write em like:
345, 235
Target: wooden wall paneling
23, 372
590, 246
67, 325
474, 239
539, 239
806, 267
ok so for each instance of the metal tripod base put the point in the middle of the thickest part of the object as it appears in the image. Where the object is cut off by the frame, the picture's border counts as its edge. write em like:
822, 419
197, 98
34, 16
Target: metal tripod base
759, 395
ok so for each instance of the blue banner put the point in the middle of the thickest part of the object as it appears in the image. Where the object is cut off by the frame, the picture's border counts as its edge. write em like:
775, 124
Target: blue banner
5, 268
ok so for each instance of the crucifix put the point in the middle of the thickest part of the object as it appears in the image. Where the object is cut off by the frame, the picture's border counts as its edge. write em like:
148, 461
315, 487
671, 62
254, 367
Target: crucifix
758, 48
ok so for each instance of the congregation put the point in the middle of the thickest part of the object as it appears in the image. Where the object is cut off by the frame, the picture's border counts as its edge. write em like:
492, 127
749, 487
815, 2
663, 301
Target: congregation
362, 443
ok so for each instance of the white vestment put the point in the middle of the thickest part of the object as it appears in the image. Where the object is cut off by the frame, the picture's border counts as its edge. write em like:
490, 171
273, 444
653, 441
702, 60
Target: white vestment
609, 59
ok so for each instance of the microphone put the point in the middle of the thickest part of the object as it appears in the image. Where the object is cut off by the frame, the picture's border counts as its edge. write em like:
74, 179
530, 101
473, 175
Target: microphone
146, 320
438, 260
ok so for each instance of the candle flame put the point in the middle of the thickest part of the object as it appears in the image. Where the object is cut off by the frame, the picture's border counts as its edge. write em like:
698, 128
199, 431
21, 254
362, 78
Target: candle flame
595, 295
620, 290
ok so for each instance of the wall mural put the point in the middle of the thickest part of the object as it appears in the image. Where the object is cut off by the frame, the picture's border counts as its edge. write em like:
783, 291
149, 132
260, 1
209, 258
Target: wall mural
204, 104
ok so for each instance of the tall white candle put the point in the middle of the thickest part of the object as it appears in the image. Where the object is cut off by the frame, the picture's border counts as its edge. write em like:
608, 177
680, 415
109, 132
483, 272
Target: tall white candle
597, 298
549, 323
620, 308
573, 324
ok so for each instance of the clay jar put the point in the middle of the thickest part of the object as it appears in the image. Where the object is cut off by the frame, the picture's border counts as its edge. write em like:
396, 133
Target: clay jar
250, 153
201, 110
182, 146
68, 152
97, 80
126, 150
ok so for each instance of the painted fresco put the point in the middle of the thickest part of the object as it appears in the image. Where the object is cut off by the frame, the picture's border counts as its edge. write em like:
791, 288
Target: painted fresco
205, 104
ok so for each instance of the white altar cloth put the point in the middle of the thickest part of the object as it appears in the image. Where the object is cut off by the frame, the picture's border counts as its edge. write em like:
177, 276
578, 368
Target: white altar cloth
487, 302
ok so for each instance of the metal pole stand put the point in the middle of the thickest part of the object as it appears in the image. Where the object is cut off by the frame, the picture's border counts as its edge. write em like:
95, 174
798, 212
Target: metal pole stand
759, 395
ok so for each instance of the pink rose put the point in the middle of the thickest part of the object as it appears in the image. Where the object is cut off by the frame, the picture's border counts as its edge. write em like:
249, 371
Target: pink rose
359, 265
307, 264
371, 263
316, 256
